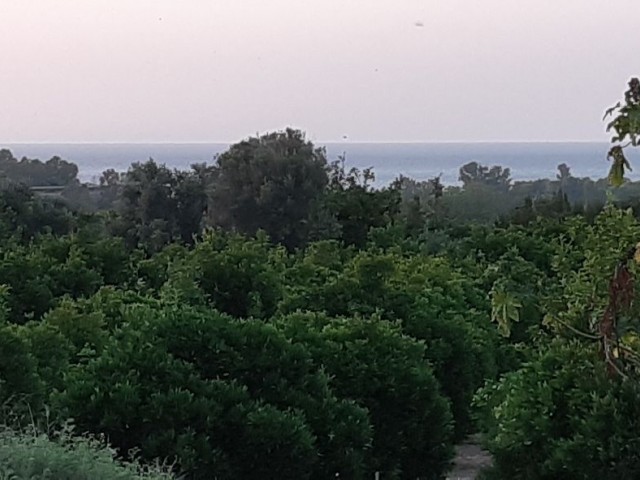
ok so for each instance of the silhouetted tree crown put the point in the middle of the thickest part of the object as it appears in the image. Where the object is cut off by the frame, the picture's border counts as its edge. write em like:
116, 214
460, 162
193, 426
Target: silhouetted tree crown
269, 183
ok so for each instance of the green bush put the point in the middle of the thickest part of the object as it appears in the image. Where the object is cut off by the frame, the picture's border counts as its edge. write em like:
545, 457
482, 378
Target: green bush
461, 356
431, 299
19, 382
371, 362
238, 275
36, 457
50, 351
141, 396
39, 274
274, 371
560, 416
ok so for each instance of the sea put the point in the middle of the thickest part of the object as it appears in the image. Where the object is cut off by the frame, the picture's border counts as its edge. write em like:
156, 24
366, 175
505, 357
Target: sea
420, 161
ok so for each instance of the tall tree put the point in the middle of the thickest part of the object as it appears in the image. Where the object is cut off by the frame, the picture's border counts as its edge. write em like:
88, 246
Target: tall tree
269, 183
475, 173
157, 205
355, 206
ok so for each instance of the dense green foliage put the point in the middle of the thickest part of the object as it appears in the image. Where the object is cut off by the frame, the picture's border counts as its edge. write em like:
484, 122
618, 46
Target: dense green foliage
197, 351
157, 206
273, 315
571, 409
125, 343
559, 416
562, 414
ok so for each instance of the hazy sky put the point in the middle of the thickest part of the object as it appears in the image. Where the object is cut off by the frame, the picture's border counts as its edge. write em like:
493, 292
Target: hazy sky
373, 70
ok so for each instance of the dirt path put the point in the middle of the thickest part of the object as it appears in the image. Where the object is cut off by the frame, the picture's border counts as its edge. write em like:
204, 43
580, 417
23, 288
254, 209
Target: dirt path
470, 459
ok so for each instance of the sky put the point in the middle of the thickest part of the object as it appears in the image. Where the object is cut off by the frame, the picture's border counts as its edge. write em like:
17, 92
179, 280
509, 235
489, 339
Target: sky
341, 70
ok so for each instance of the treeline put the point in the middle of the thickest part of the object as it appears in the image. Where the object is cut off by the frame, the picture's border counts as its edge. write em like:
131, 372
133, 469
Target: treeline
179, 204
282, 184
33, 172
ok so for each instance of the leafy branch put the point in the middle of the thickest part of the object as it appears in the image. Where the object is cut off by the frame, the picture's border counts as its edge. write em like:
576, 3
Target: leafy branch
626, 124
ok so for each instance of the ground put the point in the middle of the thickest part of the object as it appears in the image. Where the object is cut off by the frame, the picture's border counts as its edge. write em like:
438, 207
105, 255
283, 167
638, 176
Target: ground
470, 459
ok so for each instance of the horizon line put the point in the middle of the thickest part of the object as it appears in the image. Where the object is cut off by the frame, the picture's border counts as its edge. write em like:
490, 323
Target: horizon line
317, 142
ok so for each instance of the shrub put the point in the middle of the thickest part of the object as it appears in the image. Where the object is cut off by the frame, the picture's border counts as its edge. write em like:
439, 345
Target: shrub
34, 457
461, 355
560, 416
431, 299
373, 363
141, 396
19, 382
239, 276
274, 371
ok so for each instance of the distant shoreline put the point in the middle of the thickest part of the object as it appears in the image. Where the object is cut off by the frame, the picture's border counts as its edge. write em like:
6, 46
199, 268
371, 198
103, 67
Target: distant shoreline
419, 160
320, 143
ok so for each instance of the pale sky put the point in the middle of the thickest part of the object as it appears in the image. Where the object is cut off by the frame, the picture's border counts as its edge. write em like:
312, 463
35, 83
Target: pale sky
371, 70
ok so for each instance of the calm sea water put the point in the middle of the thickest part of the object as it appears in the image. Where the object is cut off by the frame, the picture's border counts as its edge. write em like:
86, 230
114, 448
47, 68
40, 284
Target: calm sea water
421, 161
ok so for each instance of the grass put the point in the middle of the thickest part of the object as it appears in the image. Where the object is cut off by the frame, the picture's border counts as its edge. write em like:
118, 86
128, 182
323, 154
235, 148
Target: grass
33, 456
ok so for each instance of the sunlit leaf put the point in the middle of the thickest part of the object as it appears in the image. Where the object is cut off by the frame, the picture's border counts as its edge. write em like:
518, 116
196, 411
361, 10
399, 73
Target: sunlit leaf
505, 309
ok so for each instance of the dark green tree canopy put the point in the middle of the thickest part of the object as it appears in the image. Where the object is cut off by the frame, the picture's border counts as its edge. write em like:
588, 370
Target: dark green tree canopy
475, 173
269, 183
157, 205
33, 172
